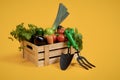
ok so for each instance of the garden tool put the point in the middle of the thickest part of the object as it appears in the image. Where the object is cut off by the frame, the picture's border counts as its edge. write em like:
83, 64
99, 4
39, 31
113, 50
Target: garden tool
65, 59
81, 60
84, 62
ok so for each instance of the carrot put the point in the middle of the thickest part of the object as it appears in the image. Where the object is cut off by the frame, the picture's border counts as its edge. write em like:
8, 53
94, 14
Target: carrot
49, 39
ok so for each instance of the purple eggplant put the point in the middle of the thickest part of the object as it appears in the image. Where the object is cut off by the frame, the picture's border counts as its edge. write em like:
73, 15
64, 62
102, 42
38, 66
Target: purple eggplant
39, 40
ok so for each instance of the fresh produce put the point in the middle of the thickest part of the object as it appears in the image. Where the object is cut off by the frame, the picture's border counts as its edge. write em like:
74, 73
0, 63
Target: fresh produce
39, 31
78, 38
59, 27
22, 33
61, 30
35, 32
49, 39
40, 40
61, 38
54, 37
39, 36
49, 31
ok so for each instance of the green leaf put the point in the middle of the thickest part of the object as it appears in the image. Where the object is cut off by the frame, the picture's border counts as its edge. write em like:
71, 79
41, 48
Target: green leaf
21, 33
78, 39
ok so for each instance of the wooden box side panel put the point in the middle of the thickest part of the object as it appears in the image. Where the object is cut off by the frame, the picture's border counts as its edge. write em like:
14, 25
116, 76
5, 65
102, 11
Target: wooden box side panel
51, 61
52, 53
29, 56
45, 55
30, 52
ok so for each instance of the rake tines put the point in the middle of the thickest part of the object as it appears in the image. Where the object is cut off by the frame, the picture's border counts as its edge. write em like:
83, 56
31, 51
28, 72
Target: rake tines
84, 62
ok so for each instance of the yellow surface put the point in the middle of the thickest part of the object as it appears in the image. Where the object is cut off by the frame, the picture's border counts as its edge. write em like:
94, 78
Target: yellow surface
97, 20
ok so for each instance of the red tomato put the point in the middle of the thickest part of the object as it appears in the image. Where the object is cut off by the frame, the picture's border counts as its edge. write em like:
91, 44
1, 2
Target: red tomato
54, 38
61, 38
61, 30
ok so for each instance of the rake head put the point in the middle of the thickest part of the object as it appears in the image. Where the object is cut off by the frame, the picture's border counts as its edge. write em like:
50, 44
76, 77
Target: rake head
84, 62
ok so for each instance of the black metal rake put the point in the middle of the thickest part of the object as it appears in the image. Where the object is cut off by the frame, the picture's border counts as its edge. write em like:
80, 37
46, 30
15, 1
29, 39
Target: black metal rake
84, 62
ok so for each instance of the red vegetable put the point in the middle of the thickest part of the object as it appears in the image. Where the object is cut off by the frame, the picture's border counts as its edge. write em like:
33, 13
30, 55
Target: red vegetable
61, 31
61, 38
54, 38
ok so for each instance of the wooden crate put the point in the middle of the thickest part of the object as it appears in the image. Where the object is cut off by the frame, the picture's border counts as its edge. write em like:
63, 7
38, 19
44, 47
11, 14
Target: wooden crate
44, 55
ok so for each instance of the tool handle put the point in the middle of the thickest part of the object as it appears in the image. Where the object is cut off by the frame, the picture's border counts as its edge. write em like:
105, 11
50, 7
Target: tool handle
69, 34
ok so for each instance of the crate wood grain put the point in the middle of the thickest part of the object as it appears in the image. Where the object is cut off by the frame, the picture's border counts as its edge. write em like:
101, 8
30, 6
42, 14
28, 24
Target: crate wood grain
46, 54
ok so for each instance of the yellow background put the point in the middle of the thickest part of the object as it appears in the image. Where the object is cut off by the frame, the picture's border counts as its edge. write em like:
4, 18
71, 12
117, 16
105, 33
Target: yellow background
97, 20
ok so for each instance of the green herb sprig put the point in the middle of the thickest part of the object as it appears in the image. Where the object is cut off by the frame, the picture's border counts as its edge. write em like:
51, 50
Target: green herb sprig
22, 33
78, 39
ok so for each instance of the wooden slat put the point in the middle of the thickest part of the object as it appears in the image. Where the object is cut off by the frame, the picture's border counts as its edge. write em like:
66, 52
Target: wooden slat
51, 46
34, 47
57, 45
54, 60
41, 55
52, 53
30, 44
41, 63
46, 55
29, 50
40, 48
29, 56
36, 55
56, 52
51, 61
